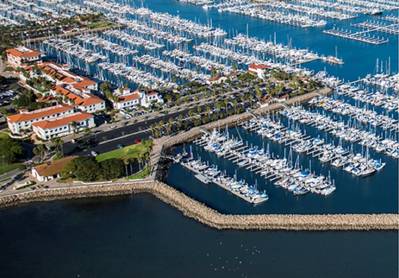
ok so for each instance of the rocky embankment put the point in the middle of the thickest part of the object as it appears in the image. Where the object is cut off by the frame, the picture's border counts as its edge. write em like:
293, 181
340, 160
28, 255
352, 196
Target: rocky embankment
206, 215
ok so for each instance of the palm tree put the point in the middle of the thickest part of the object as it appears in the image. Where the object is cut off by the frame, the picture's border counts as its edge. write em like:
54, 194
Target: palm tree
40, 150
58, 145
74, 126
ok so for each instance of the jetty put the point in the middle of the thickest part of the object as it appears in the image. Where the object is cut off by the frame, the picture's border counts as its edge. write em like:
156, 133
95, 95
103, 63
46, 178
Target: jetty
208, 216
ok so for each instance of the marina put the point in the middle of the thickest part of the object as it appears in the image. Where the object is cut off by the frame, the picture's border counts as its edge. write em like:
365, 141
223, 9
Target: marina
361, 36
283, 171
277, 150
159, 49
351, 135
206, 173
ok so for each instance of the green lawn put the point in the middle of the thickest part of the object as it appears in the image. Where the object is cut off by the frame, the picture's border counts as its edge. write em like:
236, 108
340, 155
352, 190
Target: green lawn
128, 152
3, 135
140, 175
5, 167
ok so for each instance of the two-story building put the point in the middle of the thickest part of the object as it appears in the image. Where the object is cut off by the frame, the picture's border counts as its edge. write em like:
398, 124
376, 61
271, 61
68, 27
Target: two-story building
86, 102
22, 122
76, 122
22, 56
126, 99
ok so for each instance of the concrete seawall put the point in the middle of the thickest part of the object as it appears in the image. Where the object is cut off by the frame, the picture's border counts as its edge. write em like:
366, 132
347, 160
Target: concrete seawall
206, 215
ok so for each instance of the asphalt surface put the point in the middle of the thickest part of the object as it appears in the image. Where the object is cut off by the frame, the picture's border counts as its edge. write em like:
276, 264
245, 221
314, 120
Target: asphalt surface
108, 140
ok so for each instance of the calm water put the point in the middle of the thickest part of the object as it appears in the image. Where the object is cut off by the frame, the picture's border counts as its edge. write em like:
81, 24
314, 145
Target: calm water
360, 58
142, 237
375, 194
372, 194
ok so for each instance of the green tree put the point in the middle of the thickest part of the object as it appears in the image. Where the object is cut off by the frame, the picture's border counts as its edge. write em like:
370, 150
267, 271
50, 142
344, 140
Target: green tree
105, 87
58, 145
112, 168
83, 169
10, 150
40, 150
258, 92
24, 100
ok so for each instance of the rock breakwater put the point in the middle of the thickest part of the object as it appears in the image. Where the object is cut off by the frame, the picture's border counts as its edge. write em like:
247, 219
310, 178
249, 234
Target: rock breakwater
208, 216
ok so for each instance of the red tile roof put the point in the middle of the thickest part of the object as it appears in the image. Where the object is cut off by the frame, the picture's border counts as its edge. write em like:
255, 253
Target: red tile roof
23, 53
28, 116
81, 85
54, 167
90, 101
85, 100
130, 97
258, 66
152, 93
68, 80
77, 117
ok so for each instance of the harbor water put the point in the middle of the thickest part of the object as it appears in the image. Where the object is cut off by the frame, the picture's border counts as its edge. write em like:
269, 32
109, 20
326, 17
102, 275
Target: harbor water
142, 237
360, 58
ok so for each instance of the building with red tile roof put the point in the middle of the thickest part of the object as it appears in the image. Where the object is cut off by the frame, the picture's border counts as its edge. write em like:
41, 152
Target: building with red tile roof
84, 101
258, 69
61, 76
19, 123
49, 129
22, 56
126, 99
50, 170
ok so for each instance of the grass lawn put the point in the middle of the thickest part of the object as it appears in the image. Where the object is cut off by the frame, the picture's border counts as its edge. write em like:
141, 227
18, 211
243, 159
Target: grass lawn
3, 135
128, 152
140, 175
5, 167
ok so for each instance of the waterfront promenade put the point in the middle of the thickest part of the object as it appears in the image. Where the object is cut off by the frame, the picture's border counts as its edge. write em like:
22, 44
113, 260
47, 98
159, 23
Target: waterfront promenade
206, 215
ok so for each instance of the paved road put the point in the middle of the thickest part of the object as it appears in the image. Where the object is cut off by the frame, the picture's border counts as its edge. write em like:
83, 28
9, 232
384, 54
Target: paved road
126, 135
109, 139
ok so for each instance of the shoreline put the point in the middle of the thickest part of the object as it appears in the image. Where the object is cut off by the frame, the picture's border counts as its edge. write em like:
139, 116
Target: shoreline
208, 216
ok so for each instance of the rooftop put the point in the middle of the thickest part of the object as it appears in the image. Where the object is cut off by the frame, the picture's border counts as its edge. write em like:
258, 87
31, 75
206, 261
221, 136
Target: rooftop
125, 98
54, 167
23, 52
258, 66
77, 117
36, 114
81, 99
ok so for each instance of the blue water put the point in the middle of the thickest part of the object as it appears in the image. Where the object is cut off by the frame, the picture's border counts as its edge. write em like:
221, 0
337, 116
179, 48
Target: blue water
375, 194
360, 58
142, 237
